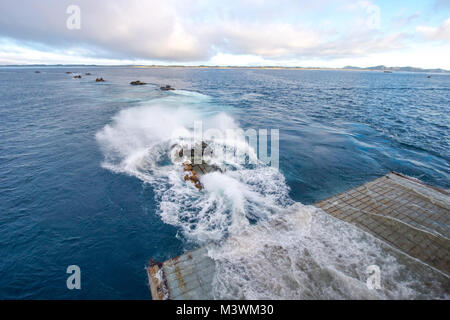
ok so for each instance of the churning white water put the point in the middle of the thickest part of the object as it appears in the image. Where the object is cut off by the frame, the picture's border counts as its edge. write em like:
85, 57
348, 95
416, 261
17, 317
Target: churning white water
265, 245
139, 142
304, 253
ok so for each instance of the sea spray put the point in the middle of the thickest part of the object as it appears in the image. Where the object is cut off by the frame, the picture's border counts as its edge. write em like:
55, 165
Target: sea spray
140, 140
265, 245
304, 253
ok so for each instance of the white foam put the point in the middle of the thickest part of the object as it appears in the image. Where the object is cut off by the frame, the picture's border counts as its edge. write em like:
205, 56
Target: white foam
138, 142
304, 253
294, 252
193, 94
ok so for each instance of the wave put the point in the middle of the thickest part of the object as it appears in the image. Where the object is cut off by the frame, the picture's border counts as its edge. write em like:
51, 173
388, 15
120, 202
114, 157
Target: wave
139, 143
304, 253
265, 245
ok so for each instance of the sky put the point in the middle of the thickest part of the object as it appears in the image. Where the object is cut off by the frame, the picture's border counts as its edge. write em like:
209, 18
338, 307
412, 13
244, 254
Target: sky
318, 33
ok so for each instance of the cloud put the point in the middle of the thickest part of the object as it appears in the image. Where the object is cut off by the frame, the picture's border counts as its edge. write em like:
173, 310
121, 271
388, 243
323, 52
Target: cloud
442, 4
403, 20
371, 16
269, 40
440, 33
181, 31
149, 29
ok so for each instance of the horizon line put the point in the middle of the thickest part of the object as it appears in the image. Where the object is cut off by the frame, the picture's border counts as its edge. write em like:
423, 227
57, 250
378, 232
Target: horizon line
351, 68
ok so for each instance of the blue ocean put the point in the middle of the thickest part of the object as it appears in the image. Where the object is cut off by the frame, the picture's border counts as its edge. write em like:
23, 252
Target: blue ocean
86, 178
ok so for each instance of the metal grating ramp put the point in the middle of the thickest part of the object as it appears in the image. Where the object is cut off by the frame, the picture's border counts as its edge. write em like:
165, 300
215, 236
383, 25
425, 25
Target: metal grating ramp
404, 212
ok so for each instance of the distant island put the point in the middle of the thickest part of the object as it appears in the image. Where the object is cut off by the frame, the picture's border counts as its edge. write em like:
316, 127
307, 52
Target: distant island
397, 69
380, 68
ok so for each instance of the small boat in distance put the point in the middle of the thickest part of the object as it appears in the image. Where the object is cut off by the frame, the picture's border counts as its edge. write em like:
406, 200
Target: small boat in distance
137, 83
167, 88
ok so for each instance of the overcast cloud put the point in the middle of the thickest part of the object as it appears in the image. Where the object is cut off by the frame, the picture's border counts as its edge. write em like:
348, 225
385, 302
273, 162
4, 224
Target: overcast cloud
198, 31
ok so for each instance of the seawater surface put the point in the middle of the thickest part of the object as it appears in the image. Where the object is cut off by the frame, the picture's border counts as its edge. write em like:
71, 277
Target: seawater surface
87, 178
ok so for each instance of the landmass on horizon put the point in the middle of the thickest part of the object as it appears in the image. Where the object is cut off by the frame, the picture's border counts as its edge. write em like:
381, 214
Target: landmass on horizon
380, 68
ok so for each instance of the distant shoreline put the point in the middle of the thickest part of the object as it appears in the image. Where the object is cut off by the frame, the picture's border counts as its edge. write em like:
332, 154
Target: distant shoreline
387, 69
347, 68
